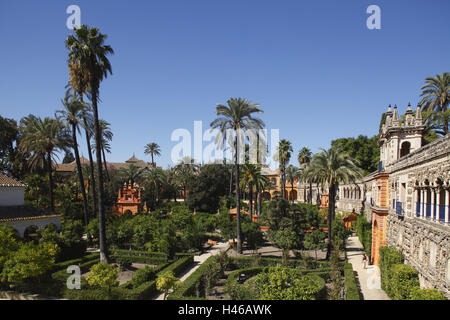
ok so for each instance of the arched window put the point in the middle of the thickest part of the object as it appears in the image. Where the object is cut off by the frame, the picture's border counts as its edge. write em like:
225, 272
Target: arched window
405, 149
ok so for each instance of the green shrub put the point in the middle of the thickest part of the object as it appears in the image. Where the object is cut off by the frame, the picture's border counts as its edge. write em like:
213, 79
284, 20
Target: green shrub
364, 230
426, 294
142, 275
124, 262
403, 278
388, 257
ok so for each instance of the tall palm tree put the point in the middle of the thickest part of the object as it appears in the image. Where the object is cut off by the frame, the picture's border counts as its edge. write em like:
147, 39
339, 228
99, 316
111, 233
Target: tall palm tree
292, 176
42, 139
79, 81
154, 149
284, 156
332, 167
72, 114
436, 96
87, 48
304, 158
248, 178
236, 115
106, 137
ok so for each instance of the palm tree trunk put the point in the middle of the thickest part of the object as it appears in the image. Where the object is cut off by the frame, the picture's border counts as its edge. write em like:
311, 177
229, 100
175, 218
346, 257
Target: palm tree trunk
231, 181
50, 181
80, 174
104, 164
238, 199
310, 193
91, 165
331, 199
260, 204
250, 198
101, 209
292, 191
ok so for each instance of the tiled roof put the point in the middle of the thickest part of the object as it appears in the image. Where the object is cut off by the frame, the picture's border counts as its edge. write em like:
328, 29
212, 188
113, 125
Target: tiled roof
70, 167
6, 181
15, 213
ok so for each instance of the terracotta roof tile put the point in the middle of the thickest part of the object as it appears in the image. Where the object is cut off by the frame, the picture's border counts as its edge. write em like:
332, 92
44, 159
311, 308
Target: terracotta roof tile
6, 181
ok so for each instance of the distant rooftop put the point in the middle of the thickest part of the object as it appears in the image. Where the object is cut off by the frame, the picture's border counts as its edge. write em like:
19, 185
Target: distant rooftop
6, 181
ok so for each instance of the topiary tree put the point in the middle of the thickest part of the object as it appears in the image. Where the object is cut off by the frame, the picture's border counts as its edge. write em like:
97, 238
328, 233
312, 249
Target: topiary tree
165, 282
102, 275
315, 240
287, 240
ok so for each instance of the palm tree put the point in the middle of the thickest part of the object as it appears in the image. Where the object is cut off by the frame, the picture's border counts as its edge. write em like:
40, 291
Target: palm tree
154, 149
436, 96
261, 182
131, 173
155, 176
332, 167
184, 172
79, 81
87, 48
292, 176
237, 115
42, 138
304, 158
106, 135
248, 176
73, 114
284, 156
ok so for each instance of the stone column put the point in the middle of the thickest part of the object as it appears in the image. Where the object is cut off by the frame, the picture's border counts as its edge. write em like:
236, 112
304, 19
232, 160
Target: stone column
421, 202
438, 197
447, 205
432, 204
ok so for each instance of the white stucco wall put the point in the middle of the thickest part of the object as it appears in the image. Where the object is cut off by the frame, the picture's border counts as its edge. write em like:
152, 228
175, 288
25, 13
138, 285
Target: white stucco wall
12, 196
21, 225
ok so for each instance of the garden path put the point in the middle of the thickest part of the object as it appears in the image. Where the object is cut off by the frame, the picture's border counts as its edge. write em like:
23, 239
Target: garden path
214, 250
369, 279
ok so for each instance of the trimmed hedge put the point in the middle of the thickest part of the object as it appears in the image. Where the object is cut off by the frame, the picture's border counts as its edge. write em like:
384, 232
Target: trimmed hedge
247, 262
403, 279
191, 286
63, 265
388, 258
351, 288
364, 230
427, 294
145, 290
242, 292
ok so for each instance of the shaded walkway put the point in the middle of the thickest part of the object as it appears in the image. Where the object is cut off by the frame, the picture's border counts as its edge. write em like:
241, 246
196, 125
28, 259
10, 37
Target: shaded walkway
369, 279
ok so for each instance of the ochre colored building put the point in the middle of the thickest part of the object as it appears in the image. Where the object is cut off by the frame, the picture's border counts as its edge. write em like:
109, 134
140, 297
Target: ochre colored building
129, 200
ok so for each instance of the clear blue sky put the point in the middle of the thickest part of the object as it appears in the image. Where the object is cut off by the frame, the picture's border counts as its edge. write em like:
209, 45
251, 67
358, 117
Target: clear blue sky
313, 66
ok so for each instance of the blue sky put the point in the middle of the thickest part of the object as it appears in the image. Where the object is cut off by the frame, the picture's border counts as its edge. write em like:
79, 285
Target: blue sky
313, 66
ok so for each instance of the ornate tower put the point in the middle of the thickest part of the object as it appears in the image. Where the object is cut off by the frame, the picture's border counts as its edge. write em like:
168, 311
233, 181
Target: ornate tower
400, 136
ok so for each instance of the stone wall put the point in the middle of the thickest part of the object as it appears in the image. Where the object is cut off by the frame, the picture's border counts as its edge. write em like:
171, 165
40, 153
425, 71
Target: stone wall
426, 247
424, 242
